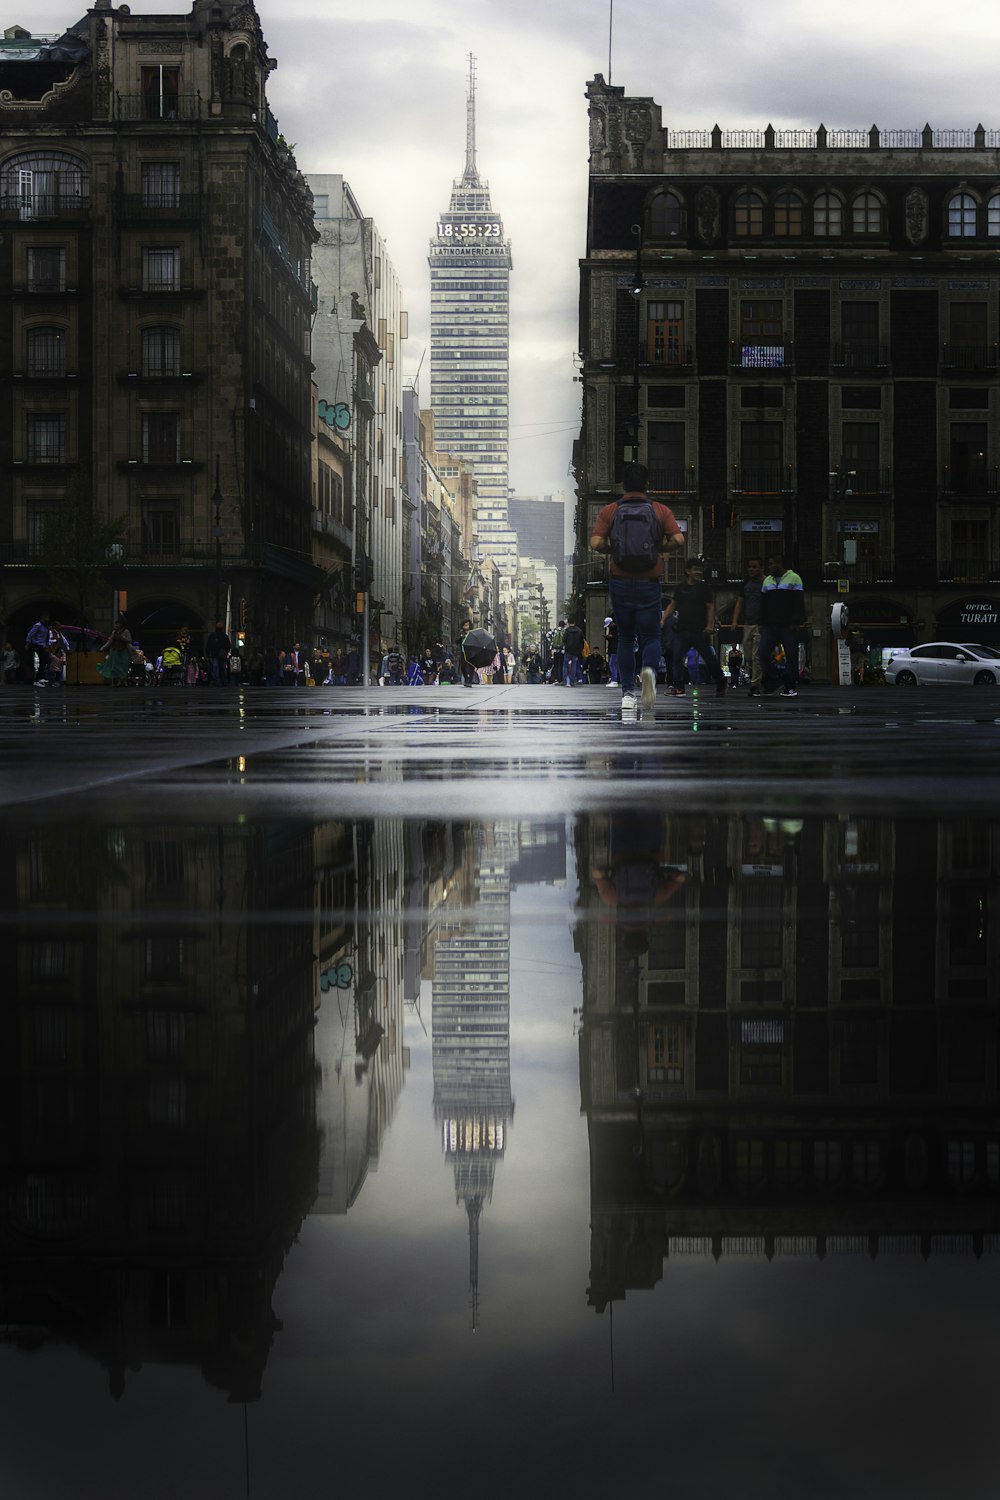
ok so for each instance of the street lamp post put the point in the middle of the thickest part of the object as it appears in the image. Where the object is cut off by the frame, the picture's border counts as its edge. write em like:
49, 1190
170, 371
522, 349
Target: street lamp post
638, 283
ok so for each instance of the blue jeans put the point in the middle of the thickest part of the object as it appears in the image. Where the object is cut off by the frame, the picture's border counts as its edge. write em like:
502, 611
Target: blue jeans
636, 604
571, 670
684, 640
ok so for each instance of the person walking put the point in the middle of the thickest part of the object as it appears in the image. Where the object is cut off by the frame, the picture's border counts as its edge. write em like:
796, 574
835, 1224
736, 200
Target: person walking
556, 646
11, 664
694, 605
782, 621
572, 653
218, 649
734, 661
470, 677
37, 642
636, 531
747, 614
118, 658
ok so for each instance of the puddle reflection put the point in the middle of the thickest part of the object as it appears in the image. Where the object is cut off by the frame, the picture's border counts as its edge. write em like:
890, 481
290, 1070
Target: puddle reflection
259, 1102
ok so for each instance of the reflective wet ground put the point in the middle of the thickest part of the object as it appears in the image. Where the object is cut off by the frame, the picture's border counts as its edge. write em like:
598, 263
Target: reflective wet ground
449, 1096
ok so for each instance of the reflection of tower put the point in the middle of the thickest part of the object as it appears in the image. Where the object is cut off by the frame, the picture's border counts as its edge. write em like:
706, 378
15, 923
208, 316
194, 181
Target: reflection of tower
471, 1034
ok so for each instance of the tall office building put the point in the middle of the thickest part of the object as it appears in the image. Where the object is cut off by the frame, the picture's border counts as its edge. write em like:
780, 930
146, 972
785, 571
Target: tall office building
470, 275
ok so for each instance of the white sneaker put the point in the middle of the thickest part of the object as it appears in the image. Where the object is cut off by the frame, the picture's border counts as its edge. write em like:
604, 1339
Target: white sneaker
648, 689
630, 706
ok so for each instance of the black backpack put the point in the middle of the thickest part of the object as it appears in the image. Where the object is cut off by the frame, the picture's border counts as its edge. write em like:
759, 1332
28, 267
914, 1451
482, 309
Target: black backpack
636, 536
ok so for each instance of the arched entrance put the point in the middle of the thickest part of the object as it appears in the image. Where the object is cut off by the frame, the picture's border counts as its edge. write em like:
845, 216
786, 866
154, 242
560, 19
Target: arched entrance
155, 623
975, 619
882, 622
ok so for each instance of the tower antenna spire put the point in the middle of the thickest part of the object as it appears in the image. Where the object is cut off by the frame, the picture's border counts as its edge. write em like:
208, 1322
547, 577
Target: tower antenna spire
471, 172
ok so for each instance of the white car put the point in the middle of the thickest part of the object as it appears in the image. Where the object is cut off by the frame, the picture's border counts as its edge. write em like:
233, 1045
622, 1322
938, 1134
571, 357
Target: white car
944, 662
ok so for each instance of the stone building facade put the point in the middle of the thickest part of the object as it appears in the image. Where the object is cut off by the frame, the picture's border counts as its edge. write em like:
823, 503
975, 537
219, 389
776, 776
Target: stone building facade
358, 353
798, 332
156, 322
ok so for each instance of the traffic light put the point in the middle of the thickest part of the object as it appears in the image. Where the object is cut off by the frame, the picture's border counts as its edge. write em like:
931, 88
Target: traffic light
363, 573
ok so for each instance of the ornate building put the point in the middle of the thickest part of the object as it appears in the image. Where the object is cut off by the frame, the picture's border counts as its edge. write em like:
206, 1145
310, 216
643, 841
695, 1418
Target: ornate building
797, 331
155, 268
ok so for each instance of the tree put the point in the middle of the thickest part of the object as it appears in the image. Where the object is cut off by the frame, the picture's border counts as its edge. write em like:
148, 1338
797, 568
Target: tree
528, 631
77, 547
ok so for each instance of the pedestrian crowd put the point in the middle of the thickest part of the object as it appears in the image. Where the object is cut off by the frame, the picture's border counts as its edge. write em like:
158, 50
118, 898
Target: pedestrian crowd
650, 636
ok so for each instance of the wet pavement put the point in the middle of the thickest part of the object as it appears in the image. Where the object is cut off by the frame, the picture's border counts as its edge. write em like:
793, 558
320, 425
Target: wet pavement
466, 1091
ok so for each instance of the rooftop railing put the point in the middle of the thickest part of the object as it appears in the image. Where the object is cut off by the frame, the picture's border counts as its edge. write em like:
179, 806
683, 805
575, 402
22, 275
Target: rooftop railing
822, 139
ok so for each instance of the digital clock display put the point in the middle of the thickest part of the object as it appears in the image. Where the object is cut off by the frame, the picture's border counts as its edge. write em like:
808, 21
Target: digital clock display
474, 231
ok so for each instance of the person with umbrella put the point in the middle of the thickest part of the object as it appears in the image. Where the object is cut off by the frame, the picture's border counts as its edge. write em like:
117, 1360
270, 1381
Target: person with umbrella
478, 650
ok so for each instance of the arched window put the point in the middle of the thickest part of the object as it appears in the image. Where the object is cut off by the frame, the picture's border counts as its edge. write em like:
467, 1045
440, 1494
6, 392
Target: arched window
828, 216
993, 216
161, 352
666, 217
38, 184
962, 216
46, 351
788, 214
749, 215
866, 214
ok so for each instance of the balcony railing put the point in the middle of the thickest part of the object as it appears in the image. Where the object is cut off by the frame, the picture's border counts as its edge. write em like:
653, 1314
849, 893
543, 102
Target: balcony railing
968, 570
140, 552
860, 354
865, 570
158, 107
867, 479
980, 483
667, 358
762, 354
970, 359
65, 203
160, 207
672, 479
763, 479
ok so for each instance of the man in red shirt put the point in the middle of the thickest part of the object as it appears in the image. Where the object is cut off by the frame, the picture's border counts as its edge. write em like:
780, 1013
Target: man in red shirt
636, 596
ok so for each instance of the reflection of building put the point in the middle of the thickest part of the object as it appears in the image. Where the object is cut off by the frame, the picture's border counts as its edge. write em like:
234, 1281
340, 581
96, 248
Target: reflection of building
797, 331
159, 1149
471, 1030
798, 1054
359, 1034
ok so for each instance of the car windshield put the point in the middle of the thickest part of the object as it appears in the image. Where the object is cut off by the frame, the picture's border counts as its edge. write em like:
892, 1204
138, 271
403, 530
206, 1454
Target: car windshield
990, 651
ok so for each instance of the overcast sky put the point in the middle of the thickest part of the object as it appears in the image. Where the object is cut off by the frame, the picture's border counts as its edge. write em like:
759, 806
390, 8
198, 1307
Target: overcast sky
377, 91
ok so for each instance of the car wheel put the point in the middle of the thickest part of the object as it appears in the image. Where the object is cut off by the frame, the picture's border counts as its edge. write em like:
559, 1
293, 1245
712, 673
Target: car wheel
906, 679
984, 679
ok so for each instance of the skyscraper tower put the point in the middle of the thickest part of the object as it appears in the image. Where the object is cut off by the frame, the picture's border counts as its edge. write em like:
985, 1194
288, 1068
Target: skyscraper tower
470, 330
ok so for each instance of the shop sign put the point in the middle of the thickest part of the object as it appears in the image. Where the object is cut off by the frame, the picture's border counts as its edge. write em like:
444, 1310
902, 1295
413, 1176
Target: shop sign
979, 612
761, 526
